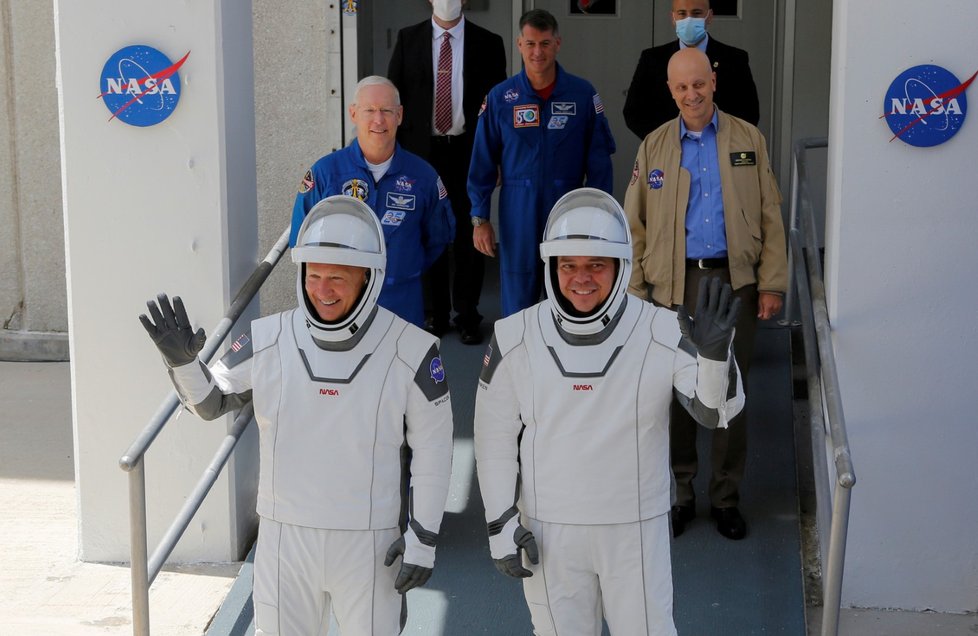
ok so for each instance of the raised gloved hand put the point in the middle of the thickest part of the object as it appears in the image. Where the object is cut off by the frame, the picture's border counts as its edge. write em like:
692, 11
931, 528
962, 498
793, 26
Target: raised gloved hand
505, 546
171, 331
716, 315
410, 575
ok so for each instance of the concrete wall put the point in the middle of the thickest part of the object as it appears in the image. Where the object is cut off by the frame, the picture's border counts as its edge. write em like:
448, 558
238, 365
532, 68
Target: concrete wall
299, 114
899, 260
32, 257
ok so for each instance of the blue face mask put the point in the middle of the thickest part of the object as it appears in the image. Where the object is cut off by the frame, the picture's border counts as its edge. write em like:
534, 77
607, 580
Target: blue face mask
691, 30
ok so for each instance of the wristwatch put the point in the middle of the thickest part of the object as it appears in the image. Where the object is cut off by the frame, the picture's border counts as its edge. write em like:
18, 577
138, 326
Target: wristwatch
478, 220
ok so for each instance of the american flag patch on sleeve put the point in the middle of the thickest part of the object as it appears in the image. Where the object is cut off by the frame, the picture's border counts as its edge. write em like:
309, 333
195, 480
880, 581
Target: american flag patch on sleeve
598, 104
442, 192
242, 340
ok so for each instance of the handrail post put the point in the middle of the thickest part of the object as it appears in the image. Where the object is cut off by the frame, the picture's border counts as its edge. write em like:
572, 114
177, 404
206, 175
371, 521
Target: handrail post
832, 599
137, 549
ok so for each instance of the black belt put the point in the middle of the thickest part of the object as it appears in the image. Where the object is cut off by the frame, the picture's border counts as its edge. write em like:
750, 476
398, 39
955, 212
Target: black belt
444, 139
707, 263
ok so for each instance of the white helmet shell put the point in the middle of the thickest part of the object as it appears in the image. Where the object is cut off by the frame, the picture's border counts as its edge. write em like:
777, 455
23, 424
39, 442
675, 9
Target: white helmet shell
587, 222
341, 230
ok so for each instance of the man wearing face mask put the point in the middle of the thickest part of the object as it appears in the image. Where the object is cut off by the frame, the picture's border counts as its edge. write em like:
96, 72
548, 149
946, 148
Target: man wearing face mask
649, 103
443, 68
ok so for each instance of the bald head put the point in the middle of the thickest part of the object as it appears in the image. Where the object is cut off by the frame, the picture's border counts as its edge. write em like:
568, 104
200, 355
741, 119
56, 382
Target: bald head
692, 83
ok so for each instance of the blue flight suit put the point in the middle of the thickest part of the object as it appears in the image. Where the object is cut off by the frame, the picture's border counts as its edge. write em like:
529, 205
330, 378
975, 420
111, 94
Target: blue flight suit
413, 208
545, 148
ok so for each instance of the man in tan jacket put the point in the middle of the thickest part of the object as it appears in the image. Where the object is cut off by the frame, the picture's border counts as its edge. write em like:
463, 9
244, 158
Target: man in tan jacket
703, 202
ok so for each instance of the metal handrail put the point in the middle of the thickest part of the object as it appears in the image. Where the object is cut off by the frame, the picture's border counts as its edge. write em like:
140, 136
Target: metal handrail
144, 570
822, 379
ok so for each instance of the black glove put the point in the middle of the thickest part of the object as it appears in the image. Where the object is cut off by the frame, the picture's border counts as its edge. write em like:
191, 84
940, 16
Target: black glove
716, 316
171, 331
512, 564
410, 576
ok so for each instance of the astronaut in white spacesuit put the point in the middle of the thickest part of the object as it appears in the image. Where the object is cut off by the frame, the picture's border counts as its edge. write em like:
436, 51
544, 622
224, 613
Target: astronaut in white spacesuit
339, 385
572, 427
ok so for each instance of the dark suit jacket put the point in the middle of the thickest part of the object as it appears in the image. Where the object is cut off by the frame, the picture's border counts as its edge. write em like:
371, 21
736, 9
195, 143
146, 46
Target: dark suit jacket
649, 103
410, 68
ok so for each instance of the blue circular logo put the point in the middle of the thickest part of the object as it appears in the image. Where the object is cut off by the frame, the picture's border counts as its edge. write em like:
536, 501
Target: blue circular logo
656, 177
140, 86
437, 370
925, 105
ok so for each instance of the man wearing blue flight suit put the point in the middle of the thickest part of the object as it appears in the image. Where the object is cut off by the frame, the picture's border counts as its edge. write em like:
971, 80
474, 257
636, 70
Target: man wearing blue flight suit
402, 189
544, 132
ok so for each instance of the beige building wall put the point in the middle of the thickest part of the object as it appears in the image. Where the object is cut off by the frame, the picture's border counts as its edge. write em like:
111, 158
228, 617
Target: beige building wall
33, 307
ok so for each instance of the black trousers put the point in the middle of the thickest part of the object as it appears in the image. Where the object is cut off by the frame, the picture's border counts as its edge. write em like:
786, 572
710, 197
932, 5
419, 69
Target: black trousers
455, 279
728, 454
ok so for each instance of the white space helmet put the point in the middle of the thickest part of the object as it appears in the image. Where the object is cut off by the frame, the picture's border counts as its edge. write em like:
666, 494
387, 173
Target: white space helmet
341, 230
586, 222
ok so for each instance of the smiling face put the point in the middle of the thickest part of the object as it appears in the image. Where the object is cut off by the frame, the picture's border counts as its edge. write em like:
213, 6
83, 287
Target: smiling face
585, 281
539, 51
376, 116
333, 289
692, 83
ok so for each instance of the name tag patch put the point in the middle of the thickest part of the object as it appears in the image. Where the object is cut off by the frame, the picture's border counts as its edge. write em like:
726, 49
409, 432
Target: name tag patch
743, 159
400, 201
563, 108
526, 115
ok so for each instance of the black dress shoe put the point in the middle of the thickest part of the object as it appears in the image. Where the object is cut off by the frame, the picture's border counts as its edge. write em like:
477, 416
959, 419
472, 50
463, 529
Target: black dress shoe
729, 522
681, 515
437, 328
470, 335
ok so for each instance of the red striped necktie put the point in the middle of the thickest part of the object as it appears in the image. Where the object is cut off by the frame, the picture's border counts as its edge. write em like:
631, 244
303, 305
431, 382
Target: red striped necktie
443, 86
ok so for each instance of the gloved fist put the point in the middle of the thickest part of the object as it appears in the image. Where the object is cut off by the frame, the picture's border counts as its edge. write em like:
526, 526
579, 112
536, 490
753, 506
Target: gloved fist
716, 315
171, 331
410, 575
505, 548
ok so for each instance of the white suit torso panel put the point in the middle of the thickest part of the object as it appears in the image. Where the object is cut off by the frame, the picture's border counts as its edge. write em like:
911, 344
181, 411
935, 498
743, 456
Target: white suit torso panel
332, 422
596, 444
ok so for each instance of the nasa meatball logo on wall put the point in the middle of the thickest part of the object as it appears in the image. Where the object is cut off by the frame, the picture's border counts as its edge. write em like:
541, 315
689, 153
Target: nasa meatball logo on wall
926, 105
140, 85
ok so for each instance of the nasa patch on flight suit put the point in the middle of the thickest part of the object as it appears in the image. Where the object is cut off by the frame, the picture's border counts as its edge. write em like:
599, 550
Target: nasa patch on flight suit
743, 159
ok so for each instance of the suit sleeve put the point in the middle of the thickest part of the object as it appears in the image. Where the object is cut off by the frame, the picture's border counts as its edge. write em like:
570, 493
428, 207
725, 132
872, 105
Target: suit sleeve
636, 111
601, 145
395, 68
496, 71
484, 167
710, 390
310, 193
439, 224
224, 387
740, 86
635, 201
497, 430
429, 434
772, 269
648, 104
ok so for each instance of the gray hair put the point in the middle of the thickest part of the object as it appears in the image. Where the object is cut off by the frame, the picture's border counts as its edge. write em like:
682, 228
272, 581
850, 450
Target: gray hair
376, 80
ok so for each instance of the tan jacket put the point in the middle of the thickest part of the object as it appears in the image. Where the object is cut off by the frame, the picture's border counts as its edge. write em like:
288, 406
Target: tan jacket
751, 213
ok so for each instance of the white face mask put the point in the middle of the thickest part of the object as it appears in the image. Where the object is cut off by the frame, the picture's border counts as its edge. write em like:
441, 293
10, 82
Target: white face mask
447, 10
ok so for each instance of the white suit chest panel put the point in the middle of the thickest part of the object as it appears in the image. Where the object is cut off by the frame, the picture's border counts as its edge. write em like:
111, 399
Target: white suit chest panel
595, 449
331, 425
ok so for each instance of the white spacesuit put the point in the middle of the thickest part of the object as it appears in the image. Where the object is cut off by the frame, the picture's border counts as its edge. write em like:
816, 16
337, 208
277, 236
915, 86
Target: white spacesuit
572, 437
334, 402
